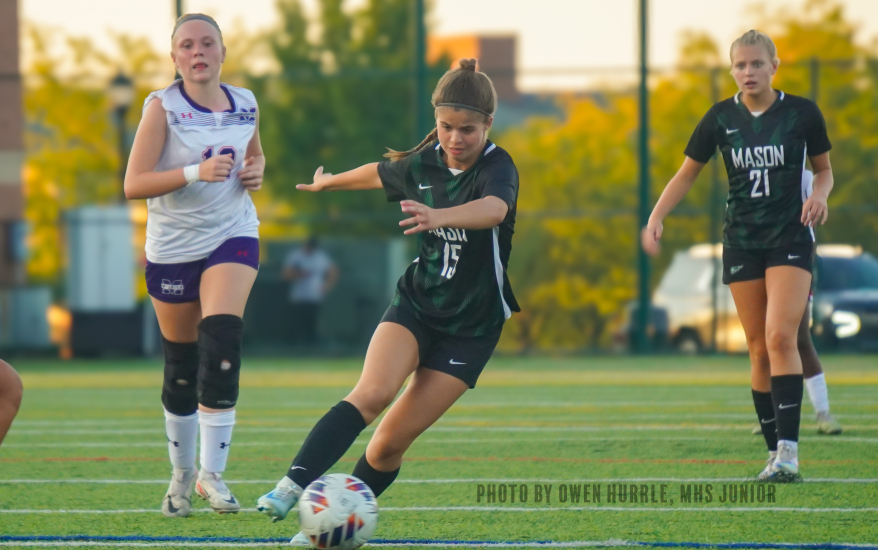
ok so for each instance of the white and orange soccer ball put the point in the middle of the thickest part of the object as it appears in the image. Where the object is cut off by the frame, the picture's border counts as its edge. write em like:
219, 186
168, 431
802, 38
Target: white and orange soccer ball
338, 512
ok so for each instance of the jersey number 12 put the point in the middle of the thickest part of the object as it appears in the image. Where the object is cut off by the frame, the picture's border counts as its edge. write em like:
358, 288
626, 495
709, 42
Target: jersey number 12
224, 150
756, 177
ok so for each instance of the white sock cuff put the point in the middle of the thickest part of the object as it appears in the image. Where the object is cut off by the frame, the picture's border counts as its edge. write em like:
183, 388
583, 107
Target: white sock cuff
177, 418
793, 444
220, 419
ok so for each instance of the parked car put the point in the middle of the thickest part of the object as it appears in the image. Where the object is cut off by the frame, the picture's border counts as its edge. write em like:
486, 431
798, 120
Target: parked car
845, 308
846, 299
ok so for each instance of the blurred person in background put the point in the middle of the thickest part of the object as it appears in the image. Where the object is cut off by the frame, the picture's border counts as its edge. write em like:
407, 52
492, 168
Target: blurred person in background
195, 158
765, 137
11, 392
313, 274
451, 303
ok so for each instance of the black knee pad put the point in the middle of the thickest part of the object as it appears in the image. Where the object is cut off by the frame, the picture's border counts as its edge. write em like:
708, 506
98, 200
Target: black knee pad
219, 360
181, 374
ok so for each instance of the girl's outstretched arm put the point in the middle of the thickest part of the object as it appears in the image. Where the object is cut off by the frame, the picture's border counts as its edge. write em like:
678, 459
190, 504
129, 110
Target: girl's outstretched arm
364, 177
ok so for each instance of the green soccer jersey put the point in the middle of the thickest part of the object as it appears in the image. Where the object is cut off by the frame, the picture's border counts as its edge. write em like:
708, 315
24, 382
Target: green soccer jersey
458, 283
765, 157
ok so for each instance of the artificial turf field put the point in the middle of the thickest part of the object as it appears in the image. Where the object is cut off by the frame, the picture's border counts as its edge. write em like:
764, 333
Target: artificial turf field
86, 465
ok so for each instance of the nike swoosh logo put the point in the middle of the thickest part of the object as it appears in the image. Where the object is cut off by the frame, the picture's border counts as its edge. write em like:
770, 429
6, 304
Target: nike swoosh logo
790, 406
453, 362
791, 257
422, 187
298, 468
769, 421
731, 131
231, 501
171, 508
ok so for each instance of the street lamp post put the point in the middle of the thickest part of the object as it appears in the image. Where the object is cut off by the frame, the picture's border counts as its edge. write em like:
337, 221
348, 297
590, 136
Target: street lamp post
121, 94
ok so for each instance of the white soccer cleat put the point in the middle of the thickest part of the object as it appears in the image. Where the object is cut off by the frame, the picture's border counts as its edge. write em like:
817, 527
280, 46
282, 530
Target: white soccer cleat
786, 466
178, 500
301, 539
278, 503
763, 475
827, 425
212, 488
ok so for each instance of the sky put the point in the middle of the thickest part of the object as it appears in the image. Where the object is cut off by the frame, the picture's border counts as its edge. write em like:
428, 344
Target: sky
552, 33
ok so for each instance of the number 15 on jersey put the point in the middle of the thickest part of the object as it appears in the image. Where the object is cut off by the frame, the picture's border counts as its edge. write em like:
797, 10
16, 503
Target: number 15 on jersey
452, 254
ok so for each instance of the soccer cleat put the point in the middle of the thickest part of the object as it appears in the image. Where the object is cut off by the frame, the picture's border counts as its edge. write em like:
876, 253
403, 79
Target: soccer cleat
763, 475
757, 430
785, 468
178, 500
212, 488
301, 539
827, 425
278, 503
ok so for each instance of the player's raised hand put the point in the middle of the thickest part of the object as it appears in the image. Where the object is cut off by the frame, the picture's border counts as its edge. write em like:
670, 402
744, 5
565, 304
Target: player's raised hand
815, 209
422, 217
649, 237
321, 178
216, 168
251, 173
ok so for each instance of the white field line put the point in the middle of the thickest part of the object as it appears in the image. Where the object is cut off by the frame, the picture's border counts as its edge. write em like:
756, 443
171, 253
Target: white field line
458, 481
487, 428
243, 419
515, 509
418, 442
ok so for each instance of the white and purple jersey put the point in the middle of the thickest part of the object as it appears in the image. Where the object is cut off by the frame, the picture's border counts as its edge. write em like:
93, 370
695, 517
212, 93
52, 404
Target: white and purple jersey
190, 223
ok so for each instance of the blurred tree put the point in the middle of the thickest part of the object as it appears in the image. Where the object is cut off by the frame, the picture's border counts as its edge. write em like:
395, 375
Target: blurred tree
339, 100
573, 266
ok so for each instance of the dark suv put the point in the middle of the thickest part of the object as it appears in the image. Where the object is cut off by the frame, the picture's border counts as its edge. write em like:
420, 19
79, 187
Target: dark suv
846, 299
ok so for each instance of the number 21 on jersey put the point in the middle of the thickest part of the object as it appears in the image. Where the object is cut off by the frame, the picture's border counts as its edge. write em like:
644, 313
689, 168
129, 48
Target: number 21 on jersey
756, 176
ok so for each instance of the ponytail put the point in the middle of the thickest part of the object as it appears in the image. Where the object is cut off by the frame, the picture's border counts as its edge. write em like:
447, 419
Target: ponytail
399, 155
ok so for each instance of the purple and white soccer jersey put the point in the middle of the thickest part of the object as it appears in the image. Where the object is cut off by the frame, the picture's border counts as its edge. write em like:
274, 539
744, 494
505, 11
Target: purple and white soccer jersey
190, 223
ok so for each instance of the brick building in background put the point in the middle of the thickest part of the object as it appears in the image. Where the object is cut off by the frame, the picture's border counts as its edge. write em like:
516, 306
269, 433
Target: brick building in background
11, 149
497, 57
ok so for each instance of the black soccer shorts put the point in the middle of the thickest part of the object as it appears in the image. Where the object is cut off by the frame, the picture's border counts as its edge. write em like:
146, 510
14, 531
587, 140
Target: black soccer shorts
750, 264
462, 357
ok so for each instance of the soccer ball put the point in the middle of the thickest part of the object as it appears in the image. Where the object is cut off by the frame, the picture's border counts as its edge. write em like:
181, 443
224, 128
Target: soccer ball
338, 512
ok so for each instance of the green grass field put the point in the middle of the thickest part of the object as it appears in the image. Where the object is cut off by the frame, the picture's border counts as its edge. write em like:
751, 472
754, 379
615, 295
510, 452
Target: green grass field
87, 456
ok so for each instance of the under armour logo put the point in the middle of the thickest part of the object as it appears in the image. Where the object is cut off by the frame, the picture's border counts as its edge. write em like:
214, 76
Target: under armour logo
186, 115
242, 253
172, 287
225, 445
175, 443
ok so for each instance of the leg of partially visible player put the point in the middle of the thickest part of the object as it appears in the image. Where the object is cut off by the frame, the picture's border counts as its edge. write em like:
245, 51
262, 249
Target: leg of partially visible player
224, 290
391, 358
177, 323
11, 391
815, 381
427, 397
751, 302
787, 288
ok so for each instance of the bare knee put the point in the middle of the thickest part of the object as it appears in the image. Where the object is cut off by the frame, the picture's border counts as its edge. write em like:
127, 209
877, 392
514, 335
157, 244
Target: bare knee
11, 388
371, 401
780, 343
385, 452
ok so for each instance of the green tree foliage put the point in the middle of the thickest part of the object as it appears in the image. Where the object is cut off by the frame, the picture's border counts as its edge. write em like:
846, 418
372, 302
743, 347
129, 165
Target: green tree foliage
342, 96
574, 261
71, 136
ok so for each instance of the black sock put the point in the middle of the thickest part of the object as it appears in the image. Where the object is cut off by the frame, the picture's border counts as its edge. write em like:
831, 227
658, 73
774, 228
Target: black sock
377, 481
330, 438
765, 412
786, 394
